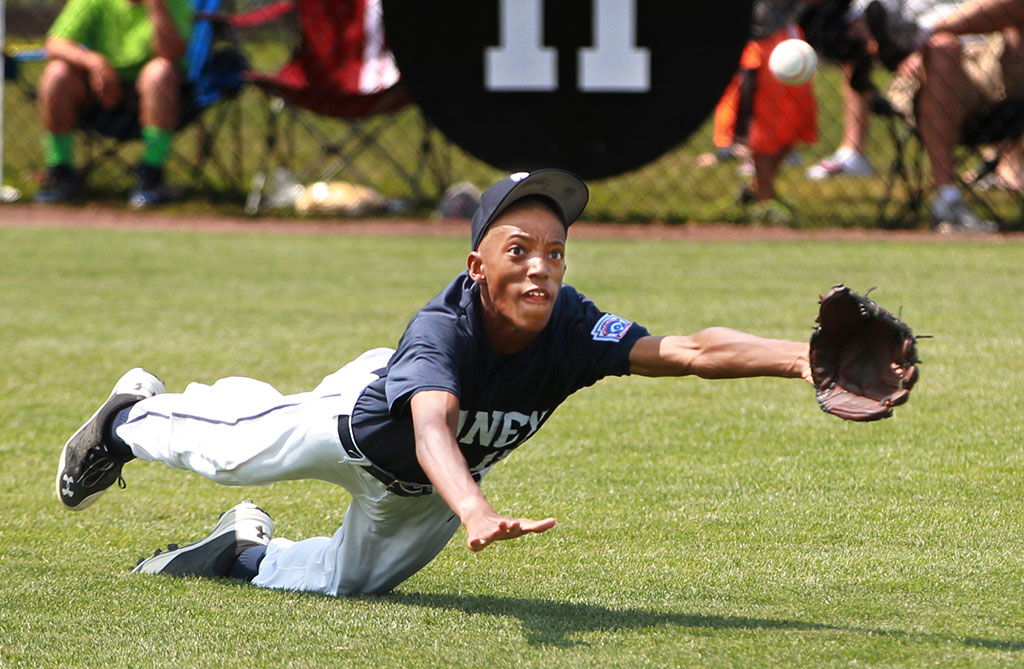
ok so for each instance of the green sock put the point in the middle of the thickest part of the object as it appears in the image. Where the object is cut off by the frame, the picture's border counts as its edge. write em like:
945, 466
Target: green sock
57, 149
156, 144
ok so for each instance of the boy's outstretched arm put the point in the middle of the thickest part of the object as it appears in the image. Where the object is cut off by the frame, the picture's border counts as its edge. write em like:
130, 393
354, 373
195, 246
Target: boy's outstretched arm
720, 353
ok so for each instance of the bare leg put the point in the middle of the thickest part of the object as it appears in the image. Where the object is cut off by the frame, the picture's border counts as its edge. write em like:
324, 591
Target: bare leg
63, 91
158, 86
766, 167
855, 114
945, 97
941, 105
1011, 167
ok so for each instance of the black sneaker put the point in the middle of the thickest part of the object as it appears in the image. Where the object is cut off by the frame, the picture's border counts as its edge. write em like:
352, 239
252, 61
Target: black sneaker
87, 468
240, 527
896, 37
149, 189
60, 185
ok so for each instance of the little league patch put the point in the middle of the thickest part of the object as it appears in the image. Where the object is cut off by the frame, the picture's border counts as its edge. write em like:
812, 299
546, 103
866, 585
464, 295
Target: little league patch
610, 328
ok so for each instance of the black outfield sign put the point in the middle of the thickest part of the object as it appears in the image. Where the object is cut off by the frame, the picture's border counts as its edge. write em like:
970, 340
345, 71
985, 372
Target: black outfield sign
598, 87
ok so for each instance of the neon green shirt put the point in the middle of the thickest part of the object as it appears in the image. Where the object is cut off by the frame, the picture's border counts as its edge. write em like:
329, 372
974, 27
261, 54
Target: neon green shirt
118, 29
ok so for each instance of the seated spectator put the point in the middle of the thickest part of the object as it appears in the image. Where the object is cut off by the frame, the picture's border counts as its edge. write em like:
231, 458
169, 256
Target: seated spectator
113, 62
760, 112
838, 32
949, 79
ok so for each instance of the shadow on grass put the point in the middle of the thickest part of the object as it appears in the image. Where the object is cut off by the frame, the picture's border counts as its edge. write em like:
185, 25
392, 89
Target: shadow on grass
552, 623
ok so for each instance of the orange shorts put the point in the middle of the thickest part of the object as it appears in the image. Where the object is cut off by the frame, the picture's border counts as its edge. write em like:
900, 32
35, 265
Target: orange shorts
783, 115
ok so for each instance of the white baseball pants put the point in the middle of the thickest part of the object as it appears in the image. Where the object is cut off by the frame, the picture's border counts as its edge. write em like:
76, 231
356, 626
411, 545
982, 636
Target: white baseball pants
241, 431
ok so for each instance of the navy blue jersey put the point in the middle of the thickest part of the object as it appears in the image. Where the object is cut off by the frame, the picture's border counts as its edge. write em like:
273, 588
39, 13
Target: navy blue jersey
503, 399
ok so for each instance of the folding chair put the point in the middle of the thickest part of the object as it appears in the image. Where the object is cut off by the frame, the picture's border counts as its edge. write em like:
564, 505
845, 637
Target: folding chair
216, 73
999, 124
341, 70
903, 198
1004, 121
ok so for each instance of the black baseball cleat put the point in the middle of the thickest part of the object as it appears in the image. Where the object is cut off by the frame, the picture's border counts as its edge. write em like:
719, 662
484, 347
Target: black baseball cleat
240, 527
87, 467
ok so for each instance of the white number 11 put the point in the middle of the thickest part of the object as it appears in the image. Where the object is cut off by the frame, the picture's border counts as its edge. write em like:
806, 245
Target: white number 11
521, 62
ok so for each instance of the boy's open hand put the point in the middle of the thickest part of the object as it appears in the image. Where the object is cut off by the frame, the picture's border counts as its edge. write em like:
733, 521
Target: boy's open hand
486, 529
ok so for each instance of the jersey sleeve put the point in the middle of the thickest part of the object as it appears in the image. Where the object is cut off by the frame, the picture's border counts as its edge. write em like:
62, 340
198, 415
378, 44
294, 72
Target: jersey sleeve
597, 343
424, 361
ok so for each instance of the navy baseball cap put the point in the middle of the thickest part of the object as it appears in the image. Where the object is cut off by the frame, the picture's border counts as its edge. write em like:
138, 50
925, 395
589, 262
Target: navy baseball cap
565, 191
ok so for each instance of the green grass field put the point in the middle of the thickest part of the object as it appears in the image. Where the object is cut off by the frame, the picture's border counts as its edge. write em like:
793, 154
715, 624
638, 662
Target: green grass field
701, 523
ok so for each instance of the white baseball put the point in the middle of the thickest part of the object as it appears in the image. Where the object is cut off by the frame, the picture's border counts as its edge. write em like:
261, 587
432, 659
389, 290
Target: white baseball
793, 61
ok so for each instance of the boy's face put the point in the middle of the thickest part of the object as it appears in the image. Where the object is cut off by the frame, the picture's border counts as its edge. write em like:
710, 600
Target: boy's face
519, 265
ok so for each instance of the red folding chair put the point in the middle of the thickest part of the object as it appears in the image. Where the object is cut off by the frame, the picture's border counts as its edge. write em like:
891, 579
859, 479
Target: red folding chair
341, 69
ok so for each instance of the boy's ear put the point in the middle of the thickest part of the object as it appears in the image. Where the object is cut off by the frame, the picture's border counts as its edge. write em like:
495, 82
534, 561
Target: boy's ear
475, 264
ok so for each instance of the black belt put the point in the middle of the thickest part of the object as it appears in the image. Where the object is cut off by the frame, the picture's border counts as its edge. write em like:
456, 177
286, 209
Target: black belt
393, 485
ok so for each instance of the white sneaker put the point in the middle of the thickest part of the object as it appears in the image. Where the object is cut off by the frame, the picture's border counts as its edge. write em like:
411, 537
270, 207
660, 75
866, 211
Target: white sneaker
86, 468
241, 527
849, 163
957, 218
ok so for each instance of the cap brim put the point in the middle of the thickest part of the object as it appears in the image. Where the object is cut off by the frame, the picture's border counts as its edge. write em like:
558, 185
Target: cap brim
566, 190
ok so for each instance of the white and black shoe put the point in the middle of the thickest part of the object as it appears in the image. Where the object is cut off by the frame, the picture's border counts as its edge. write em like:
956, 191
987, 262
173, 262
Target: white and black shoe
87, 466
950, 218
239, 528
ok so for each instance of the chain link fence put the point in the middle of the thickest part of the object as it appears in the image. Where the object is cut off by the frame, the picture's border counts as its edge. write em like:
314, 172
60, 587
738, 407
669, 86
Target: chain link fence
253, 149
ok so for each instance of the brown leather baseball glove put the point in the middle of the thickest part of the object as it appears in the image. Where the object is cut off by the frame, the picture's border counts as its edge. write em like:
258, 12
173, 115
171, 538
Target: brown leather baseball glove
863, 358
